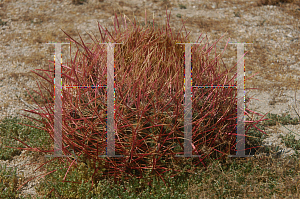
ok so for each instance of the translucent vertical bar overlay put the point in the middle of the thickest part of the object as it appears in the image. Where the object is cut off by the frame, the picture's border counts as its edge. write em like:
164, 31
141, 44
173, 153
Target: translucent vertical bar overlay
58, 103
110, 102
240, 139
188, 103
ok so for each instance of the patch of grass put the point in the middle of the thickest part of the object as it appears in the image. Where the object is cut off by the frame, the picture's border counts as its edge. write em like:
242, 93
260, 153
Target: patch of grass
227, 178
255, 138
8, 182
290, 141
9, 129
105, 188
233, 178
284, 119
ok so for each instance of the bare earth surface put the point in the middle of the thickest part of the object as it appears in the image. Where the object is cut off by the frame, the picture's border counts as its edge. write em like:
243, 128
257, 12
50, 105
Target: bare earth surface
26, 27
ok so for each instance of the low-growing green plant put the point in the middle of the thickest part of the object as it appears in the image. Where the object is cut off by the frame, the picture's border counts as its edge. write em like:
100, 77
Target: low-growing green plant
284, 119
78, 2
290, 141
254, 139
8, 182
11, 128
181, 6
12, 132
78, 182
222, 179
2, 23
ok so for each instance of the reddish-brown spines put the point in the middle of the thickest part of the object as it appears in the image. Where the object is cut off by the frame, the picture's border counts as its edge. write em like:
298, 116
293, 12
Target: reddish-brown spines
149, 73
